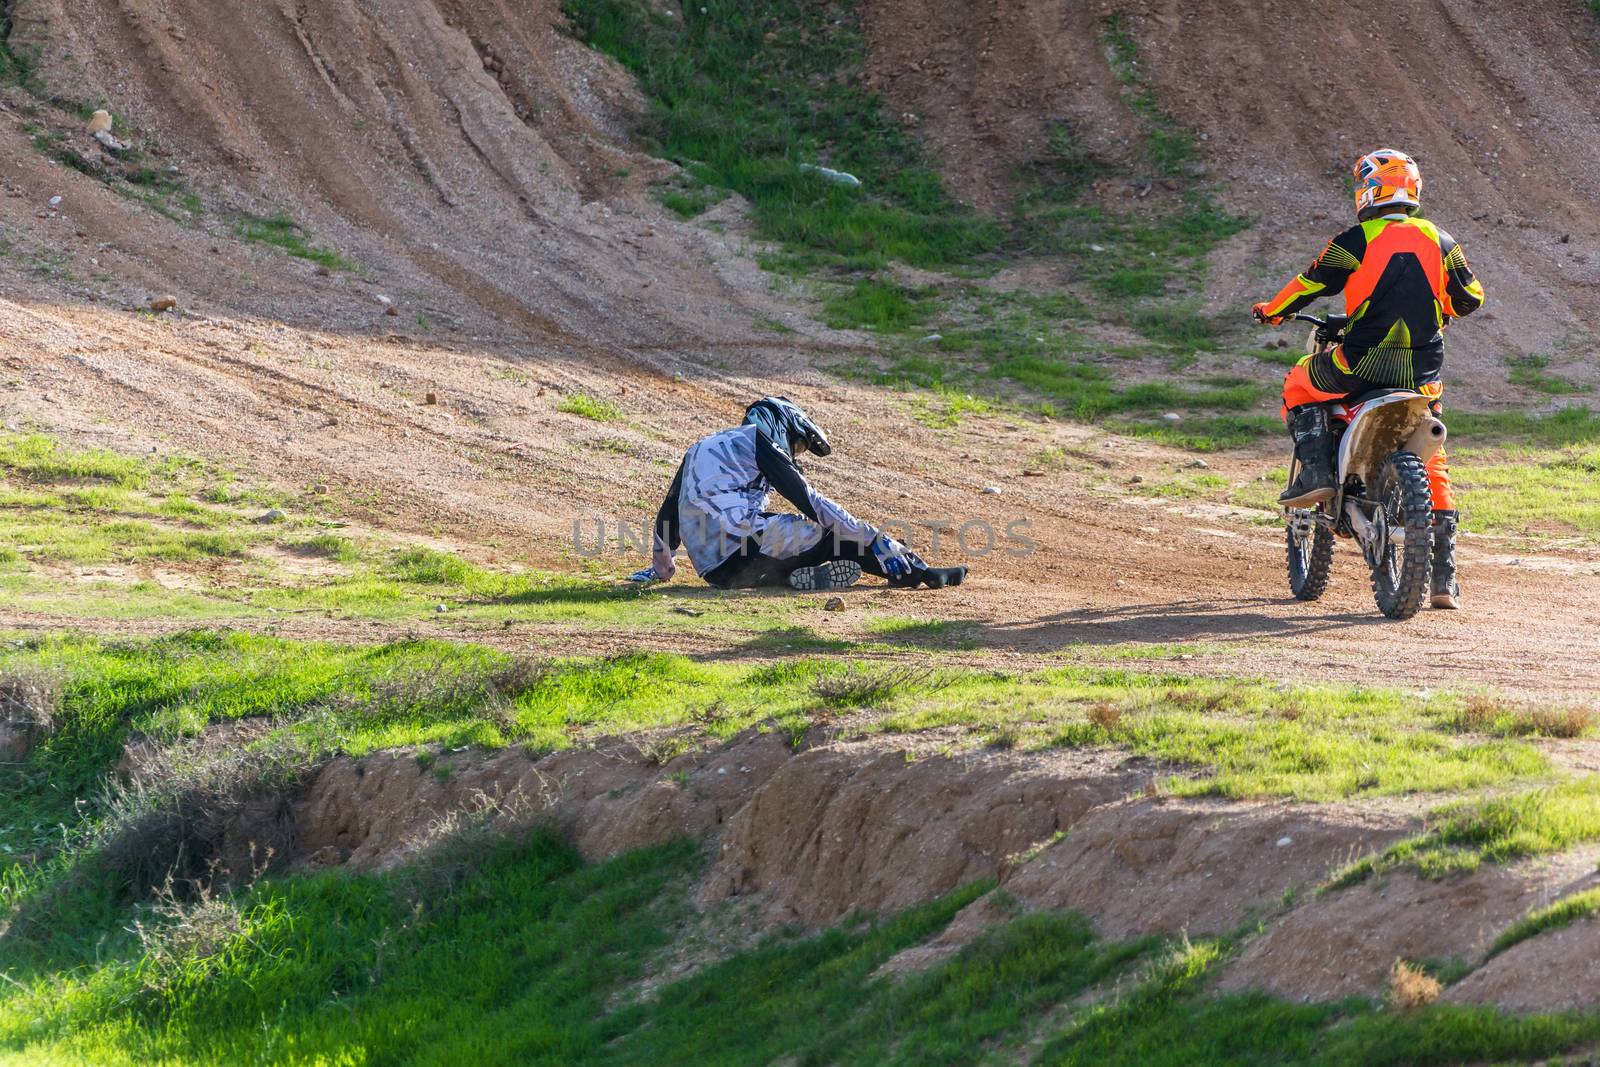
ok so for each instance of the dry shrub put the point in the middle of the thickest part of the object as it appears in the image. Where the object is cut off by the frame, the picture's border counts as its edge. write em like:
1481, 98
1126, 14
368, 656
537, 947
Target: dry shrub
1483, 713
167, 828
1106, 714
30, 697
1411, 988
165, 825
30, 703
859, 687
1290, 710
1205, 701
1479, 713
458, 843
194, 925
1005, 738
1556, 722
712, 714
491, 692
663, 748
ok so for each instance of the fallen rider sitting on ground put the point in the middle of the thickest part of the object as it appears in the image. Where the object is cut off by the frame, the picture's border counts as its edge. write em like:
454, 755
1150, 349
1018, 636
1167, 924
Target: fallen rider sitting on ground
716, 508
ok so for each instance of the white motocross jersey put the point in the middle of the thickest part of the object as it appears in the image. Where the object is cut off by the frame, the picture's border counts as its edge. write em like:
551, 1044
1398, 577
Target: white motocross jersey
719, 498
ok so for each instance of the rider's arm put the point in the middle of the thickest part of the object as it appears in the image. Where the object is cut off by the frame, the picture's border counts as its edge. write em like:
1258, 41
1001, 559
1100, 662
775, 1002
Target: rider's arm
667, 536
781, 472
1463, 292
1326, 275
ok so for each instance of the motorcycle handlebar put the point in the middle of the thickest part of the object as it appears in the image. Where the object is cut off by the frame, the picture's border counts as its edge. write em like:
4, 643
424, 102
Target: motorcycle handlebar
1297, 316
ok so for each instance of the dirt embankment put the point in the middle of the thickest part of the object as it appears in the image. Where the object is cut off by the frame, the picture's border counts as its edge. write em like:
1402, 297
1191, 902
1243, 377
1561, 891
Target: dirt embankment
1495, 101
815, 832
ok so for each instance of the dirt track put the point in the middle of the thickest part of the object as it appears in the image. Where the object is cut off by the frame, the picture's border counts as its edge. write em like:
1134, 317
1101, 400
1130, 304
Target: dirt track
519, 283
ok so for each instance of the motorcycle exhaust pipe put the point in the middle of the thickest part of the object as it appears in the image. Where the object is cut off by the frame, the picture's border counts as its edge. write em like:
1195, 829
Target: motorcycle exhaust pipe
1427, 439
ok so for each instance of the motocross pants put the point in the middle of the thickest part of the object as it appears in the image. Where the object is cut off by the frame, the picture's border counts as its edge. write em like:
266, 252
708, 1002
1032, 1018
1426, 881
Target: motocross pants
752, 567
1299, 387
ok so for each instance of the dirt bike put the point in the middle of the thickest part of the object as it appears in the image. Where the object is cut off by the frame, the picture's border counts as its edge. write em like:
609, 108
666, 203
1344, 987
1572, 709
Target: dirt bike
1382, 499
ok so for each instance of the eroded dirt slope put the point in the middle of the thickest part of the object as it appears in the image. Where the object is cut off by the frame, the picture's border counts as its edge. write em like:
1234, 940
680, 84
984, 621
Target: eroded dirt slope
815, 831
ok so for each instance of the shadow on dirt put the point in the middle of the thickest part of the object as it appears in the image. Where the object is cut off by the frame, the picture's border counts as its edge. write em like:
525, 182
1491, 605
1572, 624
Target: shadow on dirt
1170, 622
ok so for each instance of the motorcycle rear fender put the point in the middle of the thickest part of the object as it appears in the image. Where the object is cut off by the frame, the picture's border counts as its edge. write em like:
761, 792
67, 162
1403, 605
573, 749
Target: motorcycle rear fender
1388, 424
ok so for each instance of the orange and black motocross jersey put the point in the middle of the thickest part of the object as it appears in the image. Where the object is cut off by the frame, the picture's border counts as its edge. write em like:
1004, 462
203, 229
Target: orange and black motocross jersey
1401, 277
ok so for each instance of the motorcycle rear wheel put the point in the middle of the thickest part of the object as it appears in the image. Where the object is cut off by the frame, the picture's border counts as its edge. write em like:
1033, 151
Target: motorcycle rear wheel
1400, 573
1310, 560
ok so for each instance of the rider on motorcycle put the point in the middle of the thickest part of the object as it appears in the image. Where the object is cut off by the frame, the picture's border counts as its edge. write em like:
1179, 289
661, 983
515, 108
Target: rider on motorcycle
1403, 279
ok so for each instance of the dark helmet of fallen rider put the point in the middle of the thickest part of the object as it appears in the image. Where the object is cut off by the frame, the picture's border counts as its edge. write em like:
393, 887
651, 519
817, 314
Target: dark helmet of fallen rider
787, 426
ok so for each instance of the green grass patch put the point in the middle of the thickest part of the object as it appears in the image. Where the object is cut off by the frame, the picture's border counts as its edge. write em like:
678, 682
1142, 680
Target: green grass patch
330, 546
1038, 345
873, 304
519, 953
1280, 357
924, 633
1169, 1020
1533, 372
1167, 147
280, 231
945, 409
1562, 913
1206, 433
1559, 429
42, 460
744, 93
1520, 490
590, 407
1463, 835
686, 196
1239, 738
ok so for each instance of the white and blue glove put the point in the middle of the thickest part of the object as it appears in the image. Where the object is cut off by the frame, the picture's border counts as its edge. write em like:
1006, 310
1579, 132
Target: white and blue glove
892, 557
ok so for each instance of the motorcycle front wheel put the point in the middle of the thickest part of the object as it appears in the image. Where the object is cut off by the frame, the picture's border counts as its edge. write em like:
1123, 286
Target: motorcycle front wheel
1310, 555
1405, 537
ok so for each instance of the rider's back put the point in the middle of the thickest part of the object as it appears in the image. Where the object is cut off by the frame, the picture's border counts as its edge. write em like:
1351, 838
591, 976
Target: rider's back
1402, 276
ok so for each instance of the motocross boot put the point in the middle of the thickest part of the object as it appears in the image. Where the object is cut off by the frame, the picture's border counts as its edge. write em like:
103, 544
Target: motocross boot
1445, 589
1313, 448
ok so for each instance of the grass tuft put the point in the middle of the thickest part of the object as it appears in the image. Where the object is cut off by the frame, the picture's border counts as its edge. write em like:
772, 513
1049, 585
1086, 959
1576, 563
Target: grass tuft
1533, 372
1564, 912
1463, 835
280, 231
873, 304
589, 407
1487, 714
861, 687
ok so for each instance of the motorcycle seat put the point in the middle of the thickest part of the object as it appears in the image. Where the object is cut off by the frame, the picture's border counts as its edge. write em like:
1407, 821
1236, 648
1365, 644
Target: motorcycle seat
1357, 399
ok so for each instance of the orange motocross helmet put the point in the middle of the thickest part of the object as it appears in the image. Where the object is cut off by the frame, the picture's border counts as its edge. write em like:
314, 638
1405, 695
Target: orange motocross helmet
1387, 178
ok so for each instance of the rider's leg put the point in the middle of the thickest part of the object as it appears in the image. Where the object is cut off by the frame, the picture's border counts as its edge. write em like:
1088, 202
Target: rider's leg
1305, 412
815, 569
1446, 591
